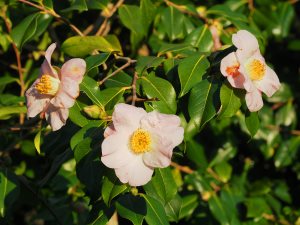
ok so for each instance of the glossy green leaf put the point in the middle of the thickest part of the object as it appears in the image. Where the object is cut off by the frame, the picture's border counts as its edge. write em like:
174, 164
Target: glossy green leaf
155, 212
146, 62
111, 188
76, 115
172, 23
230, 101
96, 60
31, 26
190, 71
201, 38
189, 204
9, 190
79, 5
203, 103
162, 186
110, 96
218, 210
174, 48
91, 88
173, 208
7, 112
84, 132
224, 171
148, 11
99, 214
156, 87
37, 142
78, 46
252, 122
132, 208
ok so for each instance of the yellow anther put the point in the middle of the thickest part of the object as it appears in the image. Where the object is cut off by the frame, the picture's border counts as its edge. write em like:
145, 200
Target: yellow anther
256, 69
140, 141
47, 85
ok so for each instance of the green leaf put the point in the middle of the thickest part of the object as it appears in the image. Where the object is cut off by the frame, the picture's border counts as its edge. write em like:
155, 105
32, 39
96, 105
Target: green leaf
76, 116
111, 187
79, 5
131, 17
189, 204
285, 18
218, 210
30, 27
81, 46
99, 215
155, 212
156, 87
230, 101
224, 171
190, 71
84, 132
146, 62
203, 104
252, 122
287, 152
9, 190
121, 79
225, 11
7, 112
96, 60
196, 153
90, 87
132, 208
97, 4
201, 38
110, 96
37, 142
172, 23
256, 207
148, 11
173, 208
166, 48
162, 186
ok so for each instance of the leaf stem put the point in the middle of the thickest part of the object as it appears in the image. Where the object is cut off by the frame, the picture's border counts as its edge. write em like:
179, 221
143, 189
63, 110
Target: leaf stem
134, 97
55, 15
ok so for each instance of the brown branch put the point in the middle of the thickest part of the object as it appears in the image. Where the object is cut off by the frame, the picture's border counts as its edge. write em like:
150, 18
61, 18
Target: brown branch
184, 169
55, 15
293, 132
127, 64
134, 97
108, 15
19, 64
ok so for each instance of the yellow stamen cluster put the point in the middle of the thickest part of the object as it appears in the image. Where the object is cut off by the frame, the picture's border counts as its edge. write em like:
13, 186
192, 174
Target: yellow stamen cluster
47, 85
140, 141
256, 69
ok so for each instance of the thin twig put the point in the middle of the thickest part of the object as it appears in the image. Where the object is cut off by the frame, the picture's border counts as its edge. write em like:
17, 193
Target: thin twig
134, 97
184, 169
54, 14
127, 64
293, 132
103, 26
18, 58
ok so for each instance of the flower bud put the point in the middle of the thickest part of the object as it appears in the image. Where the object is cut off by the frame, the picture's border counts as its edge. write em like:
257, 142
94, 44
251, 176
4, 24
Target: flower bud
94, 111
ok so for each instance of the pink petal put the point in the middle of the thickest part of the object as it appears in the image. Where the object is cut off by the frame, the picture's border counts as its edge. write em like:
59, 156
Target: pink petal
270, 83
67, 93
109, 130
164, 124
46, 67
136, 173
127, 117
254, 101
230, 69
74, 69
115, 151
36, 102
245, 41
161, 152
56, 117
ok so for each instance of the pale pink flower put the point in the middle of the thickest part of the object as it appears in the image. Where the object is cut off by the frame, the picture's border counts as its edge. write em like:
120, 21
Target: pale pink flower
246, 69
55, 90
137, 142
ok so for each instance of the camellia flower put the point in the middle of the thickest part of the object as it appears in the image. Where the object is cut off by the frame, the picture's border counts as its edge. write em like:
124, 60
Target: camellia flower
55, 90
137, 142
246, 69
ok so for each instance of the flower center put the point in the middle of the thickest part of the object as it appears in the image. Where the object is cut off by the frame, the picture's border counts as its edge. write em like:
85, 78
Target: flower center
233, 70
256, 69
140, 141
47, 85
